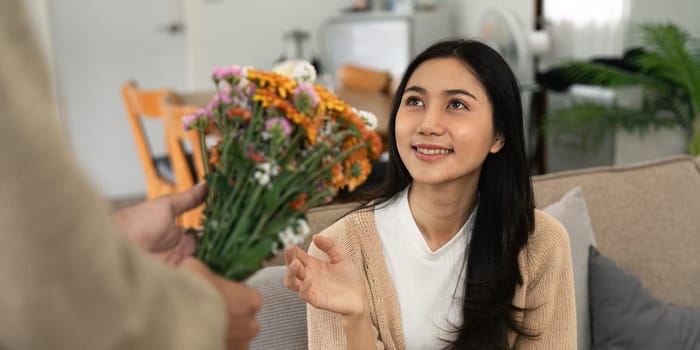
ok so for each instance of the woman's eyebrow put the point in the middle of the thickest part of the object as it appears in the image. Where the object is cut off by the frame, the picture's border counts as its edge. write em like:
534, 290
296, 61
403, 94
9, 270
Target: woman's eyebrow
460, 92
448, 92
417, 89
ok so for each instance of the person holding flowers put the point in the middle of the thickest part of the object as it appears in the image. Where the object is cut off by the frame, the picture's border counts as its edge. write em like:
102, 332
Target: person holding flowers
450, 252
69, 280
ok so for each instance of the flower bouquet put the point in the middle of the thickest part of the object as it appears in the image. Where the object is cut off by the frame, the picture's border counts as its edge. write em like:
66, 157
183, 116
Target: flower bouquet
286, 145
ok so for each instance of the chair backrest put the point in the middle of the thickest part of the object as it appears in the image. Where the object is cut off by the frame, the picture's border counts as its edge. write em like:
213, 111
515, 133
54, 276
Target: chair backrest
186, 173
167, 106
140, 104
363, 79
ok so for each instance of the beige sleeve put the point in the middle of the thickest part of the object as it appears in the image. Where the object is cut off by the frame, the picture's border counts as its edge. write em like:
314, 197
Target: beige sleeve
325, 330
550, 291
68, 281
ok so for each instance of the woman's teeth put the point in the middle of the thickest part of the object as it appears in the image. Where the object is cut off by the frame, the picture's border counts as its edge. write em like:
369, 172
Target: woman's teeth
433, 150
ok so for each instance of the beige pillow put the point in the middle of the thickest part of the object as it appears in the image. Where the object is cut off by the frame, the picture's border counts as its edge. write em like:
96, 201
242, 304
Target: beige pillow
572, 212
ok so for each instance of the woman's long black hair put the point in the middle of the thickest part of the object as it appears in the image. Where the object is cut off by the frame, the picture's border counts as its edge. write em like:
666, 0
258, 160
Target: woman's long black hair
505, 217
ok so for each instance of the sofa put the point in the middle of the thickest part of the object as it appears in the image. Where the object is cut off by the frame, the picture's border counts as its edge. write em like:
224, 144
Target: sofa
639, 285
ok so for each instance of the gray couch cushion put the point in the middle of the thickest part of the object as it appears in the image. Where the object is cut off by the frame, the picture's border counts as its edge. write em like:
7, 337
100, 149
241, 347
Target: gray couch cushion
572, 212
282, 317
625, 316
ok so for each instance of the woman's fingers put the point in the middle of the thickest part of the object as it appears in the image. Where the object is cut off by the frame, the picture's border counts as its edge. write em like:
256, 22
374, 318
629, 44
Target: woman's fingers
290, 280
294, 252
289, 254
298, 269
329, 247
296, 273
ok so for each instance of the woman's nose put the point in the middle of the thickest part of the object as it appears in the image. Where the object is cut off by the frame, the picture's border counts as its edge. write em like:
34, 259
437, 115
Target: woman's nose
432, 123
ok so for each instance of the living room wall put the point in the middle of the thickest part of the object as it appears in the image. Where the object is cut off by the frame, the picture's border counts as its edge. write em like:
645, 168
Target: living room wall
119, 170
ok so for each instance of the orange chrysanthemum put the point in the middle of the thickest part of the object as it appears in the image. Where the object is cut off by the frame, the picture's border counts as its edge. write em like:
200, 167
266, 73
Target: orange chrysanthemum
238, 112
214, 156
299, 202
256, 157
281, 84
271, 100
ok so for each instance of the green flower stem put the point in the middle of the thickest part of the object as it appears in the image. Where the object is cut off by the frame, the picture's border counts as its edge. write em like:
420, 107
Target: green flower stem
339, 158
293, 146
283, 200
205, 156
243, 218
232, 205
302, 181
216, 211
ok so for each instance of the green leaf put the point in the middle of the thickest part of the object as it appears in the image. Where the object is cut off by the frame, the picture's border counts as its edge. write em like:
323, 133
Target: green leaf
598, 74
671, 58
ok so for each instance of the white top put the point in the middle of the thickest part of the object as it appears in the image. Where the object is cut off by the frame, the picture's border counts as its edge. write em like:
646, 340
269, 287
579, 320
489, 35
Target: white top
428, 284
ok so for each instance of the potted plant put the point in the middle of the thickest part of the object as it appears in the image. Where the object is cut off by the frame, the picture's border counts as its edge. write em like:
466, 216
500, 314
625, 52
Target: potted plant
668, 70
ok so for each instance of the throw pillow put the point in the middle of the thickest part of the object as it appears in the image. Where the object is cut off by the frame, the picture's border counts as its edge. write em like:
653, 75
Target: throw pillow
624, 315
572, 212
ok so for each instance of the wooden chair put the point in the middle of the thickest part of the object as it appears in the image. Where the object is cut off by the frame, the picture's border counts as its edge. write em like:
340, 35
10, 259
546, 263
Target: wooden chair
167, 106
186, 174
141, 104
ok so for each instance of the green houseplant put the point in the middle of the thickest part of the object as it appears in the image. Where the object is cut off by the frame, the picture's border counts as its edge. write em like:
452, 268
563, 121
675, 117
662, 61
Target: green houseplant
669, 73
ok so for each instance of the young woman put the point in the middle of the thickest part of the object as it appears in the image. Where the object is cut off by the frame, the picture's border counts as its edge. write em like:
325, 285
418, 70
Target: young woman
452, 253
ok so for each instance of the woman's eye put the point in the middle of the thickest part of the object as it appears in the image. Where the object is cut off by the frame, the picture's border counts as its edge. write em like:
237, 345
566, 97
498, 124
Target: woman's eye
455, 104
413, 101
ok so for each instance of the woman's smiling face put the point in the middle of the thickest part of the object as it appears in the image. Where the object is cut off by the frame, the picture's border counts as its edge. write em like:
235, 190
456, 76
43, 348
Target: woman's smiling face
444, 126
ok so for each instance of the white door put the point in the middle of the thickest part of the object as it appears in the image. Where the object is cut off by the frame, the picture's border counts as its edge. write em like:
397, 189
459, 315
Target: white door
97, 46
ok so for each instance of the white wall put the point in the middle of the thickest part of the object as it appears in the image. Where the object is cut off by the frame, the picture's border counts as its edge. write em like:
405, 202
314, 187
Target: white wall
682, 12
97, 47
253, 30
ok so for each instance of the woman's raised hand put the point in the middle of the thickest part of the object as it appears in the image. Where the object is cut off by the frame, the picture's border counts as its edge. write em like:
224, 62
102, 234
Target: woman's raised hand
334, 285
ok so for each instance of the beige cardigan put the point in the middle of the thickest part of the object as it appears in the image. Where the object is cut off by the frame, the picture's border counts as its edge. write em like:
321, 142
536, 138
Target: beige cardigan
67, 280
547, 290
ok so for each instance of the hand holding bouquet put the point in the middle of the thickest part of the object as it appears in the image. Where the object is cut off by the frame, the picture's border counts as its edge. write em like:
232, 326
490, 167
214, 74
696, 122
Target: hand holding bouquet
287, 145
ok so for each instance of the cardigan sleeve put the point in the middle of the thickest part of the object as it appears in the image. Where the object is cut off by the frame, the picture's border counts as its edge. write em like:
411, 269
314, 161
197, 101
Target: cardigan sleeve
549, 295
68, 280
325, 330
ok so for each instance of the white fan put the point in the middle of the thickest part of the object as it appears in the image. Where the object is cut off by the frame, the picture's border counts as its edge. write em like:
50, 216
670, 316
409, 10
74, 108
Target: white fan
501, 29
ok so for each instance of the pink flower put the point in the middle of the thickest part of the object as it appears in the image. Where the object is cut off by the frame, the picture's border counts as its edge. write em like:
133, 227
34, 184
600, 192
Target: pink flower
214, 104
280, 122
206, 113
199, 120
188, 121
225, 96
308, 90
305, 97
222, 73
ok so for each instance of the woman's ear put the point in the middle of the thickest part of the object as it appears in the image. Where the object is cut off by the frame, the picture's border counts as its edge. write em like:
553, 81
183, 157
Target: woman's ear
497, 144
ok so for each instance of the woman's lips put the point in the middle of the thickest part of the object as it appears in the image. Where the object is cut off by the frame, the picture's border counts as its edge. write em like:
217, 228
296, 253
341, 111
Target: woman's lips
431, 152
